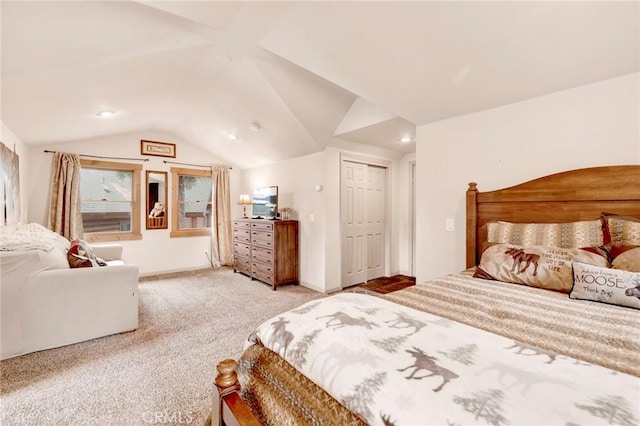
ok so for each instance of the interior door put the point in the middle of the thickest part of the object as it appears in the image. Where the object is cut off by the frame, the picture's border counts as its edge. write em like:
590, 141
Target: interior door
374, 216
354, 225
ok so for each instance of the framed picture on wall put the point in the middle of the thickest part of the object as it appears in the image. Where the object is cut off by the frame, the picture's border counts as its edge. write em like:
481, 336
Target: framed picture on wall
159, 149
10, 188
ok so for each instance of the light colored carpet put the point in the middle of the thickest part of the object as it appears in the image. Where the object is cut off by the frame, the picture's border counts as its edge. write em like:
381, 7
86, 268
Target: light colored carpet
160, 374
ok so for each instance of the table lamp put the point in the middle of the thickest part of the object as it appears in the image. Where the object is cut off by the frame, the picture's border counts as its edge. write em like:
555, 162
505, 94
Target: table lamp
245, 200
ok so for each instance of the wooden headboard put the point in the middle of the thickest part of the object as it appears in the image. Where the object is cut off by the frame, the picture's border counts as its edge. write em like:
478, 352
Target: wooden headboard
581, 194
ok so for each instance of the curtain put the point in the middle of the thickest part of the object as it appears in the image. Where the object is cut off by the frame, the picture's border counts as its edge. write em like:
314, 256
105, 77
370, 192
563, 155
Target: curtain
221, 239
65, 216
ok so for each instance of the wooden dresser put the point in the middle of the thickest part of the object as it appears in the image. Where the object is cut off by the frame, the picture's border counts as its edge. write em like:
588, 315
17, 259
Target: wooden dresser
266, 250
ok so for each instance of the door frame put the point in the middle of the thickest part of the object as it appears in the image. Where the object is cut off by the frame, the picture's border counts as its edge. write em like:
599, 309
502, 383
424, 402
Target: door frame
386, 164
412, 218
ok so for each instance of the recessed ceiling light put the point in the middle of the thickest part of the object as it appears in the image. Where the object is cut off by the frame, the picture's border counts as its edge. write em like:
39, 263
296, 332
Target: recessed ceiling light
255, 126
232, 136
406, 139
106, 114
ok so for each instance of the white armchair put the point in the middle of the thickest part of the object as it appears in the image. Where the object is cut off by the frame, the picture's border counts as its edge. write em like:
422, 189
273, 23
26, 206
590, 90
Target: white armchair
45, 304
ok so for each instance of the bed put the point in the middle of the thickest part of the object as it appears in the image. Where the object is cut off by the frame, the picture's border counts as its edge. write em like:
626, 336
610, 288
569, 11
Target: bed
478, 346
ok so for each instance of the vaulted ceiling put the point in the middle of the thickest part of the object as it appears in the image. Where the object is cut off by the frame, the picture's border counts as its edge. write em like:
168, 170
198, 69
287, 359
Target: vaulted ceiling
311, 74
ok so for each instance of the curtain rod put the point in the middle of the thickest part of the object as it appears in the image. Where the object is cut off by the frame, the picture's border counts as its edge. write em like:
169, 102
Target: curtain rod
107, 158
190, 164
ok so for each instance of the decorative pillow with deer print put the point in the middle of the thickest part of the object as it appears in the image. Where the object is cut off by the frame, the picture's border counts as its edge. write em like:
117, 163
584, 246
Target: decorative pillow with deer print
536, 266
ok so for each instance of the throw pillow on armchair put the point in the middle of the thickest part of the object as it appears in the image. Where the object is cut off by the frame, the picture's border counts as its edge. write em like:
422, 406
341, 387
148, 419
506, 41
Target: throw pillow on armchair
80, 255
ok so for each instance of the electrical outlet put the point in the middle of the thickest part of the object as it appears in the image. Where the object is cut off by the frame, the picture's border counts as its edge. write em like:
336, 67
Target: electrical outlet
206, 253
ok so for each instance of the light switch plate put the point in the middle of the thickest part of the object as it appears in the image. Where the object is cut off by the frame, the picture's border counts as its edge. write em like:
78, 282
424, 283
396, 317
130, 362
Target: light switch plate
449, 225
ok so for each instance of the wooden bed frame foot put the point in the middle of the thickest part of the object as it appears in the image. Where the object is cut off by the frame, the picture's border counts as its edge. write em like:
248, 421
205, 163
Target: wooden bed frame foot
228, 407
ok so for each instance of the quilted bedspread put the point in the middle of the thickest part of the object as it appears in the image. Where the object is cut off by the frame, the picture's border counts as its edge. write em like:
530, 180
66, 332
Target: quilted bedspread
394, 365
31, 236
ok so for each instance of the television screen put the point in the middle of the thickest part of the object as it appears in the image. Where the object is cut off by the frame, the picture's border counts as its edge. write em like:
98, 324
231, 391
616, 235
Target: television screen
265, 202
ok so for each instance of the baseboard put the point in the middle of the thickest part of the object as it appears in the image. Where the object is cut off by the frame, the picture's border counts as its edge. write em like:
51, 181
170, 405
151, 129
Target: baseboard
312, 287
159, 274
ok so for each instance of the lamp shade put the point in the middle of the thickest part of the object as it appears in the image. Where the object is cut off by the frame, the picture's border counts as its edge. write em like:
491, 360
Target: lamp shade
245, 199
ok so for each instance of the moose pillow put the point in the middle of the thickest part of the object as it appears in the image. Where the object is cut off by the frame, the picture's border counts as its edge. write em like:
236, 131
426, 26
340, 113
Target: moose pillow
613, 286
536, 266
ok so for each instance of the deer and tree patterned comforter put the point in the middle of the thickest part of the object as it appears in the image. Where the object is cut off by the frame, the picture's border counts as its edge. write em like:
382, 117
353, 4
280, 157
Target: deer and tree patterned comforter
394, 365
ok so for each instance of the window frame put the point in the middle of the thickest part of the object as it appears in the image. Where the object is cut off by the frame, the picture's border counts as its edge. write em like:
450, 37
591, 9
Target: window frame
176, 232
136, 172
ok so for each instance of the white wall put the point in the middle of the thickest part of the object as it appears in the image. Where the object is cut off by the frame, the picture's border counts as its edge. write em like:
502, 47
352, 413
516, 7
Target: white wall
11, 141
592, 125
296, 180
332, 248
156, 252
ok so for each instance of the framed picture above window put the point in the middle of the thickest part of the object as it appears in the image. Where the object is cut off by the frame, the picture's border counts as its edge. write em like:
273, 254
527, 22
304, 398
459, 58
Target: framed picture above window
158, 149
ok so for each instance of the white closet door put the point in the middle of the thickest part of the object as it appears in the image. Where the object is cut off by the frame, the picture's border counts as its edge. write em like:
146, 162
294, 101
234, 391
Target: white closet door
354, 225
374, 214
363, 199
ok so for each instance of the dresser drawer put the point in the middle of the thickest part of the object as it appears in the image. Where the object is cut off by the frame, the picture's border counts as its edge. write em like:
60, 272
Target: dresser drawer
265, 226
242, 235
262, 254
242, 264
241, 249
244, 269
262, 272
263, 238
241, 260
241, 224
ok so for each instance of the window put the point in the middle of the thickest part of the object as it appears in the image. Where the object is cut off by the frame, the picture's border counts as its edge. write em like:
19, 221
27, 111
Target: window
110, 194
191, 198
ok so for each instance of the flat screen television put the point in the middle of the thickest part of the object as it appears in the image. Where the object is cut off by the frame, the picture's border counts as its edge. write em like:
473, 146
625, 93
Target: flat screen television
265, 202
